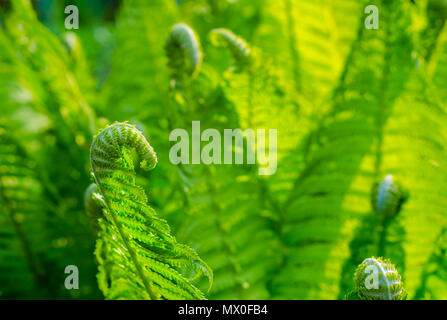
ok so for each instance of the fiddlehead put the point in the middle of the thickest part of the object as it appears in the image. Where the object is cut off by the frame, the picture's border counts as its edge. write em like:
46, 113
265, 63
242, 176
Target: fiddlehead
93, 204
107, 148
239, 48
184, 52
387, 197
378, 279
138, 258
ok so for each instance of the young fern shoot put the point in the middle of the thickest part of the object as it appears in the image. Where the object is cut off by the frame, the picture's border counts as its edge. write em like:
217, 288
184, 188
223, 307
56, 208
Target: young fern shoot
138, 257
239, 48
387, 197
93, 204
378, 279
184, 52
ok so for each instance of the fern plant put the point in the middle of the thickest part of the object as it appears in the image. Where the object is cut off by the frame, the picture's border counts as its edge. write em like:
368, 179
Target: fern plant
138, 257
361, 150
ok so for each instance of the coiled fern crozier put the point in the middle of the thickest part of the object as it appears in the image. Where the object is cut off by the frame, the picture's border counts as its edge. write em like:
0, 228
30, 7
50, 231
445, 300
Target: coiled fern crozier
138, 258
184, 52
378, 279
239, 48
387, 197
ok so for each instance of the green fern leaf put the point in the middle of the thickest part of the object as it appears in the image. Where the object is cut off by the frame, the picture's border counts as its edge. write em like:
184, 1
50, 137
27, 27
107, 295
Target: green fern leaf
138, 258
228, 222
45, 53
24, 239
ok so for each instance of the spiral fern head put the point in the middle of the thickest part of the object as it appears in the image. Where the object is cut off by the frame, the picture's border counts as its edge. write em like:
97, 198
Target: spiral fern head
387, 197
239, 48
184, 52
108, 147
378, 279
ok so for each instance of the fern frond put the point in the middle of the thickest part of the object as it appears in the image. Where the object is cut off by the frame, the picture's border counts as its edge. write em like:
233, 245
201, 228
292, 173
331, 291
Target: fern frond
316, 39
24, 239
138, 258
433, 285
348, 154
38, 89
437, 65
230, 228
138, 63
228, 222
21, 90
259, 98
73, 117
434, 15
79, 66
308, 59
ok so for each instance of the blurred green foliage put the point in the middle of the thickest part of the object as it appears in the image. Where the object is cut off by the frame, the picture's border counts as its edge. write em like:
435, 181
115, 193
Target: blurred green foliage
351, 106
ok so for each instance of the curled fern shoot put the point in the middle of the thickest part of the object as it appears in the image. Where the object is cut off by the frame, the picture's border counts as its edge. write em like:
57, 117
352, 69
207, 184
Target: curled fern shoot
378, 279
387, 197
93, 203
239, 48
138, 257
184, 52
